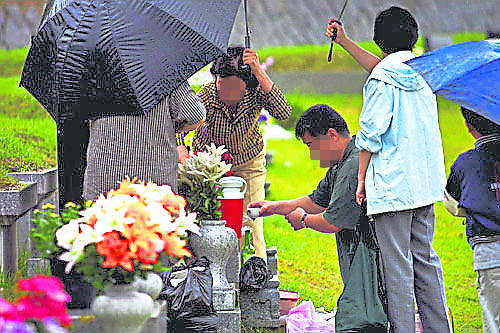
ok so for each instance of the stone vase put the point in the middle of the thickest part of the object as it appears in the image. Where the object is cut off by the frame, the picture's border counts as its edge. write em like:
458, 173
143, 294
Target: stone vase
122, 309
151, 286
216, 243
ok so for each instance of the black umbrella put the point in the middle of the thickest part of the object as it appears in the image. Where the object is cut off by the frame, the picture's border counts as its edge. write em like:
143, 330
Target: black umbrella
95, 58
122, 52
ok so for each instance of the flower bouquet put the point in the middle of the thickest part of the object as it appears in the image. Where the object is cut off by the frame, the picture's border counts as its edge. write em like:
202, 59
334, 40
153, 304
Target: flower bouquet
198, 180
41, 307
131, 231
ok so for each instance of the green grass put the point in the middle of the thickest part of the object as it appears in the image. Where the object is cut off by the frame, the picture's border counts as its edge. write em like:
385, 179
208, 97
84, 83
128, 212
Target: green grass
308, 259
26, 145
27, 134
17, 102
12, 61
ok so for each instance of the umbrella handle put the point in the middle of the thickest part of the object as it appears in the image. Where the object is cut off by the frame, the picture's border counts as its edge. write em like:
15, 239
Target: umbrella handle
333, 38
247, 41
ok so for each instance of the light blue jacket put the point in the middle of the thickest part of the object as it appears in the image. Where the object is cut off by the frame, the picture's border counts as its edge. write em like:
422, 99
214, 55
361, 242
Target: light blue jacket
399, 125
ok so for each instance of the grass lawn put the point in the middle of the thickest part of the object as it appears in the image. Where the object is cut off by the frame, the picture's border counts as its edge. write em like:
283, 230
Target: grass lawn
308, 259
27, 134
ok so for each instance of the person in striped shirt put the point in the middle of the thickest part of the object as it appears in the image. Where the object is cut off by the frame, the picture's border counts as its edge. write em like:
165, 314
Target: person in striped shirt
140, 145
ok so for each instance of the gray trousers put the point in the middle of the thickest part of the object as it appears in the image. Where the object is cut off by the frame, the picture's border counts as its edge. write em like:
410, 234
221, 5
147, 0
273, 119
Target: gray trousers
412, 270
488, 289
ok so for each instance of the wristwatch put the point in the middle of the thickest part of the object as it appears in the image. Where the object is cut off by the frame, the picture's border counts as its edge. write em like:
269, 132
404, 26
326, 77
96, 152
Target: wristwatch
303, 221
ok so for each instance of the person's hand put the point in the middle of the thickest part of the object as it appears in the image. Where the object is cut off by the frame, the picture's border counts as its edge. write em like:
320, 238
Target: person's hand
251, 58
341, 35
182, 154
360, 192
294, 218
188, 128
266, 207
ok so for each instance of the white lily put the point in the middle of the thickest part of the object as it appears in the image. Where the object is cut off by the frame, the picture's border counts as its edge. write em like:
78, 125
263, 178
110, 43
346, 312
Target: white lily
66, 234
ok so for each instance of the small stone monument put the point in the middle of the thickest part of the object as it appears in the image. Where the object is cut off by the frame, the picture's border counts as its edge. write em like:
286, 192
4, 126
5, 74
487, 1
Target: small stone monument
262, 309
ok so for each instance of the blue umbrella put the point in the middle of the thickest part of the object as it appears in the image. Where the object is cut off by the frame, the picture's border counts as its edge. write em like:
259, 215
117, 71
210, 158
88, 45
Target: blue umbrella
467, 74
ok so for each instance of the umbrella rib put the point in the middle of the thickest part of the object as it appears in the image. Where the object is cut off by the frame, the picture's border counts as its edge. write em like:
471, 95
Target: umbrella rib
73, 36
118, 51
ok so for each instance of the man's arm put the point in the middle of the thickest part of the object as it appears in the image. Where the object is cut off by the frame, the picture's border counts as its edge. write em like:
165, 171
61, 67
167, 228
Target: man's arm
299, 219
366, 59
285, 207
364, 160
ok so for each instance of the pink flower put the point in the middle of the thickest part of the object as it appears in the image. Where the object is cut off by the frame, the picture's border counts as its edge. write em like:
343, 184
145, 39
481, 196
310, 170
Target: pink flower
269, 61
8, 311
46, 298
49, 286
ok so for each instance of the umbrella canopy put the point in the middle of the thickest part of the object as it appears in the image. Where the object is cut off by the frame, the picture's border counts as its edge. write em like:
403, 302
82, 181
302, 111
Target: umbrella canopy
466, 73
122, 52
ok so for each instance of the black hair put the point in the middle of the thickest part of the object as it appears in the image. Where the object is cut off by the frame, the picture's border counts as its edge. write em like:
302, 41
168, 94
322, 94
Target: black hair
481, 124
395, 30
224, 66
318, 119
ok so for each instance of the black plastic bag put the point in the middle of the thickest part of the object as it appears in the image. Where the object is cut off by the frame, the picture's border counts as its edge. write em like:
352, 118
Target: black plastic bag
362, 306
188, 292
254, 275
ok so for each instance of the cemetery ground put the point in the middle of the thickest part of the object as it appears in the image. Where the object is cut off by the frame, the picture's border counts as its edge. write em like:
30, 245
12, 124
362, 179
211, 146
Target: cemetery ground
307, 259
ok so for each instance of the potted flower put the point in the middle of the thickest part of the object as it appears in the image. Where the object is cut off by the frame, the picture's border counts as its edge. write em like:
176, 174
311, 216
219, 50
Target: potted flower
124, 234
199, 181
199, 177
40, 307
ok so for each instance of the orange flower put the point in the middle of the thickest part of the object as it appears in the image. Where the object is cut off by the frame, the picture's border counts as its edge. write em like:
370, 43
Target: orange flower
175, 246
147, 254
171, 203
143, 241
125, 187
116, 251
138, 212
92, 220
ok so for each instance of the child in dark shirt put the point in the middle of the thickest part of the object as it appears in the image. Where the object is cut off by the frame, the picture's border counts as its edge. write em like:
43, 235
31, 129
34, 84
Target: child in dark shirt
473, 191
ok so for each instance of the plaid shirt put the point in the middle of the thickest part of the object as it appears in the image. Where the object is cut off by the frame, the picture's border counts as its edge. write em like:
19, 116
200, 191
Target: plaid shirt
237, 127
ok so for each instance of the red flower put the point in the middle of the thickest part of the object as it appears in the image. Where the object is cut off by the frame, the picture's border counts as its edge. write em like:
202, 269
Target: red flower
116, 251
227, 157
229, 173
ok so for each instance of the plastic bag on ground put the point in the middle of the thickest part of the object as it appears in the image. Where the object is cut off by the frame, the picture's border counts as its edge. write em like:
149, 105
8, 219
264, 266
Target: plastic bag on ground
303, 318
188, 292
254, 275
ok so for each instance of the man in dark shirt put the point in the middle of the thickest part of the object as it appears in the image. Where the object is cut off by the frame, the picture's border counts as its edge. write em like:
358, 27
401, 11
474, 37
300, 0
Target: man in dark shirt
331, 207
